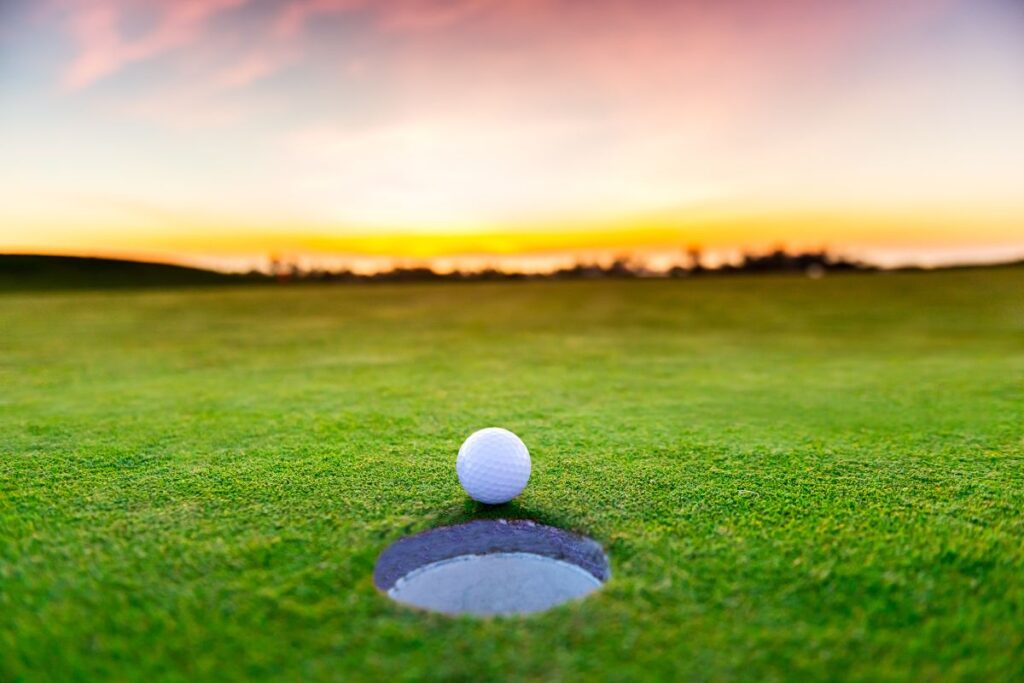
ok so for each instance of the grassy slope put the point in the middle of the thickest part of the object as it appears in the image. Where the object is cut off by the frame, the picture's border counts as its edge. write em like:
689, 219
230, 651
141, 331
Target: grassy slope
29, 272
795, 479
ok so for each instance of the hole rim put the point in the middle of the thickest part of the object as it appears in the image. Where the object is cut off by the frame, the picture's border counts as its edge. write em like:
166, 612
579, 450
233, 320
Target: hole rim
486, 537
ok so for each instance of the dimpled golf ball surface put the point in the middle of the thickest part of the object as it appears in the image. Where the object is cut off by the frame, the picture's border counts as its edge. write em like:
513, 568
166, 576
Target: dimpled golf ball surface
493, 466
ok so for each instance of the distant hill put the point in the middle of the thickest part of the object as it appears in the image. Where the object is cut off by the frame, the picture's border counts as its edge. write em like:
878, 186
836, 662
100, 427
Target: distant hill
34, 272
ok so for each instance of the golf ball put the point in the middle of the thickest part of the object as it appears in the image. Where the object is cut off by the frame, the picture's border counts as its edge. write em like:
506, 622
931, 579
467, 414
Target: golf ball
493, 465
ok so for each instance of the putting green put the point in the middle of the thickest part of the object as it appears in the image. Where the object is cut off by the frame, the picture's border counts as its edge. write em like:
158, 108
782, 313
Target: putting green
793, 479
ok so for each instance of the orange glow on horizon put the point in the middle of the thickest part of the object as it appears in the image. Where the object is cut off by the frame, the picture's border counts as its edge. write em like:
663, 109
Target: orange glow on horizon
721, 232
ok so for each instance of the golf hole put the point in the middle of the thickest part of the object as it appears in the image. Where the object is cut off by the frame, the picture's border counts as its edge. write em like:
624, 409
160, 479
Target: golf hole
491, 567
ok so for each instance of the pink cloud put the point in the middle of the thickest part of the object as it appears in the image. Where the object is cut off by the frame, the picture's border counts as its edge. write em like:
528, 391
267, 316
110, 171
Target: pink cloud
633, 64
254, 66
95, 29
103, 49
419, 15
395, 15
294, 16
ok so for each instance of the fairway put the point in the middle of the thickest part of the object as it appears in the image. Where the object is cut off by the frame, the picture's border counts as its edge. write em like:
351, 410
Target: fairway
793, 479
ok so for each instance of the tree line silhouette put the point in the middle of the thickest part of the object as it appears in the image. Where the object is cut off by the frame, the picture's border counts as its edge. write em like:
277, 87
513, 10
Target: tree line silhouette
813, 264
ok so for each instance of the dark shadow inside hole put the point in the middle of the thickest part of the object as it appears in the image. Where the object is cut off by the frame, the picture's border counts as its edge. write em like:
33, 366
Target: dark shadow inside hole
491, 566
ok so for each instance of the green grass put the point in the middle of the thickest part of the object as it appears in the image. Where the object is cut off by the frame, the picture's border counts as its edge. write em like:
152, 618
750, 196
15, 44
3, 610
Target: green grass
794, 479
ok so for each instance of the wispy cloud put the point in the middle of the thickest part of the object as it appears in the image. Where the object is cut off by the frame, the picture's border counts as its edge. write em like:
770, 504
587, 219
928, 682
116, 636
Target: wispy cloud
396, 15
253, 66
419, 15
103, 47
293, 16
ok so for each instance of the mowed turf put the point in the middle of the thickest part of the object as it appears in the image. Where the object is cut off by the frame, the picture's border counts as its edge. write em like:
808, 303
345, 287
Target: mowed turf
794, 479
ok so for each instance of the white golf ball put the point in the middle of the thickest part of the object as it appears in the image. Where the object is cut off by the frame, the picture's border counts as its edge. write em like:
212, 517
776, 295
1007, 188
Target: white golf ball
493, 465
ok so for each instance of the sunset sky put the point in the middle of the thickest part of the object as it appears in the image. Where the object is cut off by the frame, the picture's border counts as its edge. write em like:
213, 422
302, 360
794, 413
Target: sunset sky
219, 131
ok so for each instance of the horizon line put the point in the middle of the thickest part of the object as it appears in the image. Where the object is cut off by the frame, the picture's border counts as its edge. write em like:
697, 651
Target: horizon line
655, 260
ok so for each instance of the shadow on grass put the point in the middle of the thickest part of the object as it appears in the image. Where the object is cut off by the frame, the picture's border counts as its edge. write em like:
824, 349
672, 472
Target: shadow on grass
471, 510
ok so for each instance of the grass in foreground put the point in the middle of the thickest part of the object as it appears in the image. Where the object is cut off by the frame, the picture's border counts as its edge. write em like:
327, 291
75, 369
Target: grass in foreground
794, 479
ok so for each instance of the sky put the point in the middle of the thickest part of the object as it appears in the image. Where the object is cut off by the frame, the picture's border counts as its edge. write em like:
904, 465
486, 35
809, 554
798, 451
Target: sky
222, 131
